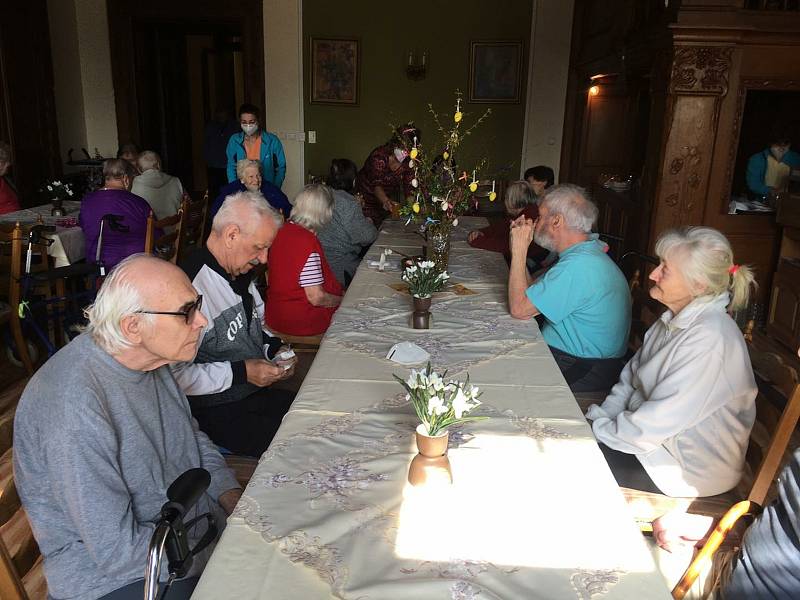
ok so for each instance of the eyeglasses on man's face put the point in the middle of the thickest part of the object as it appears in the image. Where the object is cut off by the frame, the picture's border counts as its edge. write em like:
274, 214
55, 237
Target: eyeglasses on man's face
188, 311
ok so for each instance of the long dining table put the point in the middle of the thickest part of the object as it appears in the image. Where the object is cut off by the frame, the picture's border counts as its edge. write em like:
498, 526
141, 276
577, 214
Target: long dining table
69, 243
533, 510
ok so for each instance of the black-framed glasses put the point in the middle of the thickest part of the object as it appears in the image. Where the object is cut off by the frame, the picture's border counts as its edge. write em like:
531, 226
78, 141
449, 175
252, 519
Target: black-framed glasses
188, 311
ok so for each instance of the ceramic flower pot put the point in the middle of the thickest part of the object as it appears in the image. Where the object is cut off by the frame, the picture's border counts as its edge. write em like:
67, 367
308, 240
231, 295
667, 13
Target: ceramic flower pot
431, 464
421, 317
58, 210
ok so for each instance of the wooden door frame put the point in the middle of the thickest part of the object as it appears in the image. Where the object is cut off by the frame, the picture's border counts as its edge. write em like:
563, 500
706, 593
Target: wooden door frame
246, 14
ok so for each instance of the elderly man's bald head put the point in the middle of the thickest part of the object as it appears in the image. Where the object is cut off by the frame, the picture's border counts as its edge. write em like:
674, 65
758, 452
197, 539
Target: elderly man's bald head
139, 283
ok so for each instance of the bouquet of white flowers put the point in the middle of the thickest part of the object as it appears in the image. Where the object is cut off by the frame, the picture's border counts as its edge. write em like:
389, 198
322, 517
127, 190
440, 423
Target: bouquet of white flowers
424, 279
56, 190
438, 404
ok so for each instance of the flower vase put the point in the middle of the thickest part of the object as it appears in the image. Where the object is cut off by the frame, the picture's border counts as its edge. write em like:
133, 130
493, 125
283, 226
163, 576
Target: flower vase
431, 464
421, 317
438, 248
58, 210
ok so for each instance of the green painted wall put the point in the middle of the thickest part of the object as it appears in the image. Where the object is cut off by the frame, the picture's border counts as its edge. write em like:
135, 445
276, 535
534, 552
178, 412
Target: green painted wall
387, 31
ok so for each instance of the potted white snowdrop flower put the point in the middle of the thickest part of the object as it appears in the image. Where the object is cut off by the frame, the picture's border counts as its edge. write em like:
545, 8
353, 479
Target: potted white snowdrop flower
438, 404
423, 280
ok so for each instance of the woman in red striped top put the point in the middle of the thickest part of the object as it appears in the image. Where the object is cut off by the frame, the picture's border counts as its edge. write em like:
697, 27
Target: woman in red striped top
303, 292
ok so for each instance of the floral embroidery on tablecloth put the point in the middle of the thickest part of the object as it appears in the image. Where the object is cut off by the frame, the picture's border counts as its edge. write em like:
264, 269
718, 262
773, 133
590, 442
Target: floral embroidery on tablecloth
588, 583
300, 547
463, 590
338, 479
537, 429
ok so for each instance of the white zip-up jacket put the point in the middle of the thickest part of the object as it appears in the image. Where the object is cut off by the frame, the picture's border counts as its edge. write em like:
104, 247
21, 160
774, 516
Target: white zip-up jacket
685, 402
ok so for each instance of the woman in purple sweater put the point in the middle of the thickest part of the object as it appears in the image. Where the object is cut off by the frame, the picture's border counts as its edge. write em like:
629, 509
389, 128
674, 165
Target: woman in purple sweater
116, 199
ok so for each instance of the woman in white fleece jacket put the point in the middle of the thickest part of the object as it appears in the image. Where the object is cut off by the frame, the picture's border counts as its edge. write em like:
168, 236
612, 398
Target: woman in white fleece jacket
685, 402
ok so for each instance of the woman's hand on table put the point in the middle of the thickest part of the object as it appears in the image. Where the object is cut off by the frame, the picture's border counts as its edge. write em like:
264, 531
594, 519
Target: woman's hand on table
474, 235
678, 528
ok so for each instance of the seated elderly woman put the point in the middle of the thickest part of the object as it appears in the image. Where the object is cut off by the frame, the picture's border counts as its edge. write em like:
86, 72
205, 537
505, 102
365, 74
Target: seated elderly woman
303, 292
519, 200
679, 420
350, 233
248, 177
9, 202
115, 198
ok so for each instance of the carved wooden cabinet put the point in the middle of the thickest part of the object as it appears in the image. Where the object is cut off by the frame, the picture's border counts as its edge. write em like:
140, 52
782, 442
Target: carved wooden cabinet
783, 322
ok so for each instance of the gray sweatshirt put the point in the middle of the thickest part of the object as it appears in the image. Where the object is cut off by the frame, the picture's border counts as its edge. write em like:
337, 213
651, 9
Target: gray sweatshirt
95, 447
344, 237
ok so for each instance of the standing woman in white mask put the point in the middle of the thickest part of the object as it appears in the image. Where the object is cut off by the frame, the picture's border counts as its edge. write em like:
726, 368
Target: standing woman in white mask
256, 143
768, 171
385, 172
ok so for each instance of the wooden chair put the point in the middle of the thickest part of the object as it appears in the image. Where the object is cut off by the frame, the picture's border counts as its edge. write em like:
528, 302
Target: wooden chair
301, 343
13, 251
644, 309
165, 246
192, 234
702, 560
21, 567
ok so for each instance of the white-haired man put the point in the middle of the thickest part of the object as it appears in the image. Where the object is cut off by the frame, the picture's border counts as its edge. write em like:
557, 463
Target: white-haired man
228, 381
584, 298
103, 429
163, 192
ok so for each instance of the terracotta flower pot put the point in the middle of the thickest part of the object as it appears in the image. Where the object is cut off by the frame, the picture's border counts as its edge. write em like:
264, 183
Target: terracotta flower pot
431, 464
421, 317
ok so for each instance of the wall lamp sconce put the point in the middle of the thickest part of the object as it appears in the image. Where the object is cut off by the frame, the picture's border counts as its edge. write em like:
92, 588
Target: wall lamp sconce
594, 90
416, 67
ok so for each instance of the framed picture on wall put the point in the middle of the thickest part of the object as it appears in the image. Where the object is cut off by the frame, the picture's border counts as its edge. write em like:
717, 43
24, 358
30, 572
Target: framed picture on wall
495, 71
334, 71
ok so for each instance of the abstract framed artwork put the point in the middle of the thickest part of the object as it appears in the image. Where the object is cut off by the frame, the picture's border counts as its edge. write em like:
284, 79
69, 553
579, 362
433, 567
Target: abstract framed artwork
334, 71
495, 71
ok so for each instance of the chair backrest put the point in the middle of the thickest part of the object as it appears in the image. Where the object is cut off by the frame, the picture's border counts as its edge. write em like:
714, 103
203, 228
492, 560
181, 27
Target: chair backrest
644, 309
192, 232
166, 245
775, 422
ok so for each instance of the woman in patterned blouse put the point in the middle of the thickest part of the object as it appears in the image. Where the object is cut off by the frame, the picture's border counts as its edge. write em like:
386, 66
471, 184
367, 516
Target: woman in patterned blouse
386, 173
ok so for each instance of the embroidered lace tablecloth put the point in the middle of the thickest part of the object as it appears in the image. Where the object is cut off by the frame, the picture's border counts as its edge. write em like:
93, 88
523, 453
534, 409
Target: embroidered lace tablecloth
533, 512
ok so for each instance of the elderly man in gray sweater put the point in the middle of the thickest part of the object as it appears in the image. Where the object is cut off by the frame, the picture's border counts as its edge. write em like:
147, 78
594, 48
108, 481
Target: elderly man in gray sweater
102, 430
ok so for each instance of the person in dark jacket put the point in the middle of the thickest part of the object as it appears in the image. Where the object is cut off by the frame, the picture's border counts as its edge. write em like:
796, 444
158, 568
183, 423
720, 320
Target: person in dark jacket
229, 381
248, 173
519, 200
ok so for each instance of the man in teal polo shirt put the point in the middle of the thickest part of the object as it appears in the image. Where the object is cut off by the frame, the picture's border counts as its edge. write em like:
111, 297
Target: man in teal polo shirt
584, 298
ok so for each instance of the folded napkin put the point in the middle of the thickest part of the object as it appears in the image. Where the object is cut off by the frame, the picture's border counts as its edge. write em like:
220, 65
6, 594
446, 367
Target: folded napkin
406, 353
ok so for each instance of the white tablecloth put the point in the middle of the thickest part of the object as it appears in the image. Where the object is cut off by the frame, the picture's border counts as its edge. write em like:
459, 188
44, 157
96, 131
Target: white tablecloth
533, 512
69, 243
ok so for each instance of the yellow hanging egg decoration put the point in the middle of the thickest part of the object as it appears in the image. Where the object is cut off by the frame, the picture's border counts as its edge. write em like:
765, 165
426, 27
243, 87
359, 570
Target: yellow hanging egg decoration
415, 207
473, 187
492, 196
458, 116
445, 155
413, 153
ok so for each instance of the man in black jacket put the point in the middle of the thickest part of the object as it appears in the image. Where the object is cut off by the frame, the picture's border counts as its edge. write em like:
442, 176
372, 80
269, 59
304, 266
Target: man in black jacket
228, 381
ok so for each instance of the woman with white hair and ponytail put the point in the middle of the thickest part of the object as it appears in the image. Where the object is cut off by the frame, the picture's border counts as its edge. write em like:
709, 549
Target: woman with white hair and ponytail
679, 419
